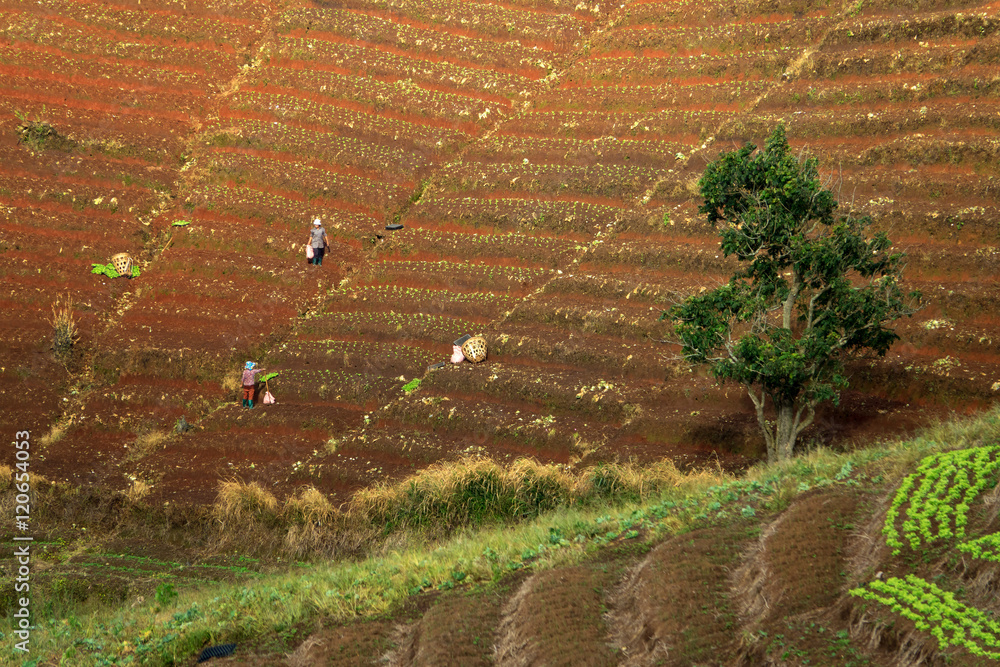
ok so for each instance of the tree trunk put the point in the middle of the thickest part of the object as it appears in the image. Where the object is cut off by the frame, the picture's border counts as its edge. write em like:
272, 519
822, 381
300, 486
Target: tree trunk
785, 432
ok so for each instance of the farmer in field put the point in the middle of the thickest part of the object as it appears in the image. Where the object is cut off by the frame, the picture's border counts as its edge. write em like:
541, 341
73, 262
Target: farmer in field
250, 371
318, 241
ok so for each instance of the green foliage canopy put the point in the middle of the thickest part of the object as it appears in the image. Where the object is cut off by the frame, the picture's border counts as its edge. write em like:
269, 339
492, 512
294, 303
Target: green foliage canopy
811, 288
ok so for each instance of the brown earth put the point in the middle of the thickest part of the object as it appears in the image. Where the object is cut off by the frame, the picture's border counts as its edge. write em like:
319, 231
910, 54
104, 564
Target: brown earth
548, 197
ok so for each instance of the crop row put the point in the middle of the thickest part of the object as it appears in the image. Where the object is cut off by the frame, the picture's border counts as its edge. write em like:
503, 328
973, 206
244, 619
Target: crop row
541, 207
985, 548
330, 147
887, 61
562, 150
591, 124
398, 325
311, 181
421, 296
186, 27
114, 74
270, 207
361, 384
239, 11
564, 217
614, 181
806, 95
288, 107
484, 270
559, 27
694, 95
632, 70
936, 611
727, 39
26, 27
380, 95
938, 495
513, 244
881, 122
382, 32
689, 12
367, 61
372, 350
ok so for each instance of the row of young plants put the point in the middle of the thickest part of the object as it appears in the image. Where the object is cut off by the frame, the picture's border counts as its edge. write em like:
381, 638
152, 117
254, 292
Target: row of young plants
40, 30
328, 146
398, 36
287, 108
636, 70
555, 25
573, 219
693, 94
488, 271
718, 38
934, 501
363, 61
397, 95
273, 208
938, 612
606, 149
422, 297
310, 181
305, 170
336, 349
189, 27
618, 123
120, 74
435, 328
607, 180
518, 246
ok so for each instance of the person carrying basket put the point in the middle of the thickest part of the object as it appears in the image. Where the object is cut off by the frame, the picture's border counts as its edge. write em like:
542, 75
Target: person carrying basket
250, 383
318, 242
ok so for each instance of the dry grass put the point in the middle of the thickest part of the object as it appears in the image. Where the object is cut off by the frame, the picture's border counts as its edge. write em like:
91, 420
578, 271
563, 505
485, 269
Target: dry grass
474, 491
309, 507
148, 442
64, 328
54, 435
138, 490
242, 504
232, 381
6, 476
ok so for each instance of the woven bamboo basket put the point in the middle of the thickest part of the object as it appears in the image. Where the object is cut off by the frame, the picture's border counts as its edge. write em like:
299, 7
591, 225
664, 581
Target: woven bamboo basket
122, 263
474, 349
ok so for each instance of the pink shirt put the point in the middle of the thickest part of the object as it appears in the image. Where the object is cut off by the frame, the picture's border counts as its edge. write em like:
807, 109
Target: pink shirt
250, 377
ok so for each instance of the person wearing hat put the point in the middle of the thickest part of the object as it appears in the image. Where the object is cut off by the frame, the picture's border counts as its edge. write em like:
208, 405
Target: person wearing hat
319, 242
250, 371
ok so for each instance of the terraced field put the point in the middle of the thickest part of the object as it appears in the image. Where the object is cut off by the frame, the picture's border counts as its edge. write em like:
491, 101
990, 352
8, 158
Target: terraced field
542, 157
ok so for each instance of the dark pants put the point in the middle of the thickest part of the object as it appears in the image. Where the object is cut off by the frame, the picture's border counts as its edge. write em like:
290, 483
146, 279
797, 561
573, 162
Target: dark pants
318, 256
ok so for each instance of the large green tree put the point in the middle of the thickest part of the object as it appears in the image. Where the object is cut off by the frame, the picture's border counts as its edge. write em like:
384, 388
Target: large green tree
812, 289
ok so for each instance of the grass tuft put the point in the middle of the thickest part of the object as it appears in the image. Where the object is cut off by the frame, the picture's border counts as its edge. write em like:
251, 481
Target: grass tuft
242, 504
64, 328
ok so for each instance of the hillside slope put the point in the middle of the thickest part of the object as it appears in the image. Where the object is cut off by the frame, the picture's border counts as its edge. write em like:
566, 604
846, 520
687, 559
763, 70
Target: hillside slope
542, 158
886, 556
